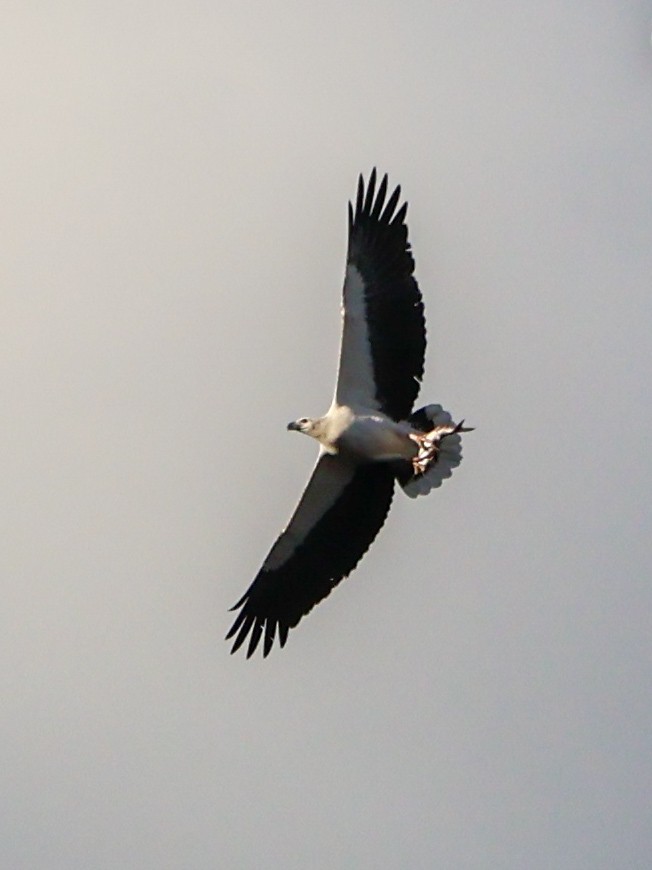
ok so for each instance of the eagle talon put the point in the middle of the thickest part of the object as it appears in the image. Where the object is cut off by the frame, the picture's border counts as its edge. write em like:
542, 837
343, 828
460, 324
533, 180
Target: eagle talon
429, 444
428, 449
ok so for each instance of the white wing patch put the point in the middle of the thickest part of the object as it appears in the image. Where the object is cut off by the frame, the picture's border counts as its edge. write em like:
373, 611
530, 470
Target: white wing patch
329, 479
356, 384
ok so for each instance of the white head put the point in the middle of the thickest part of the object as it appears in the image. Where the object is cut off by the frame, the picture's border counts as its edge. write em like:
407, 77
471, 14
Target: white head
305, 425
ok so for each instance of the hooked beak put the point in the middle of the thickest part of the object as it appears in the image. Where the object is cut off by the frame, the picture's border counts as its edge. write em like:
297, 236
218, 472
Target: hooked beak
293, 426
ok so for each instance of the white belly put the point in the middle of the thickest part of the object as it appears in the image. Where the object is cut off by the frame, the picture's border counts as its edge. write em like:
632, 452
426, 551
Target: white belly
377, 438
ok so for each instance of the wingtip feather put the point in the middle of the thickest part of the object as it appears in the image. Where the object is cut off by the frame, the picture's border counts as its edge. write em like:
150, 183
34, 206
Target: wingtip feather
371, 190
392, 202
238, 603
380, 199
359, 195
270, 631
242, 634
236, 624
399, 217
256, 632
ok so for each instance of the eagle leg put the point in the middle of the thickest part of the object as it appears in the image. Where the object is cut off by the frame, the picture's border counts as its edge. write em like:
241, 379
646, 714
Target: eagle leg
428, 444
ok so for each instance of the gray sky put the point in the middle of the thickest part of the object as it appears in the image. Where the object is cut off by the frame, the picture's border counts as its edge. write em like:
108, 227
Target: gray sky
174, 187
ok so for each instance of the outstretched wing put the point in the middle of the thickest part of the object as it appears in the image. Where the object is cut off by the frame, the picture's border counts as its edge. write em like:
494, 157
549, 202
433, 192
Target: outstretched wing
339, 515
383, 332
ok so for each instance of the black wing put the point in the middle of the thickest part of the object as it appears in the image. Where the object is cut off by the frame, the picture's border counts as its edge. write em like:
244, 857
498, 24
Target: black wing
383, 334
338, 517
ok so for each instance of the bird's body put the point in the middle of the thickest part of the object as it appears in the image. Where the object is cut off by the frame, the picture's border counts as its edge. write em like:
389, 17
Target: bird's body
369, 438
374, 437
362, 435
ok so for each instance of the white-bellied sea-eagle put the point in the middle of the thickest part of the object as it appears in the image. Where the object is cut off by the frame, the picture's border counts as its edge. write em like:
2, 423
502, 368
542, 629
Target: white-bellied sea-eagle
368, 439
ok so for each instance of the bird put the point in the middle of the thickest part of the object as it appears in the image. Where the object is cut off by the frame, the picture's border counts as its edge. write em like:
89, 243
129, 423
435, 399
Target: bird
369, 439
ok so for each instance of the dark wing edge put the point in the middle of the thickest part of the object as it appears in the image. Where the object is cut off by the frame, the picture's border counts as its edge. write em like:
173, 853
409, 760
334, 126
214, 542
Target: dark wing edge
380, 251
278, 598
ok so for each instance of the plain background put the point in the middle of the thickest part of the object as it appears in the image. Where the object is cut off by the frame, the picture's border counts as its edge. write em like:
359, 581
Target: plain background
174, 186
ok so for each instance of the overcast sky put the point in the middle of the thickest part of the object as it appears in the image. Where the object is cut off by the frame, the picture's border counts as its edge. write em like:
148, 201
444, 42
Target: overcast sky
174, 186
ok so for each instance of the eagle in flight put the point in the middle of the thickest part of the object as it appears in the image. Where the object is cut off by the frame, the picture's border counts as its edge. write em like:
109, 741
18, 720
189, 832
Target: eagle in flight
368, 439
